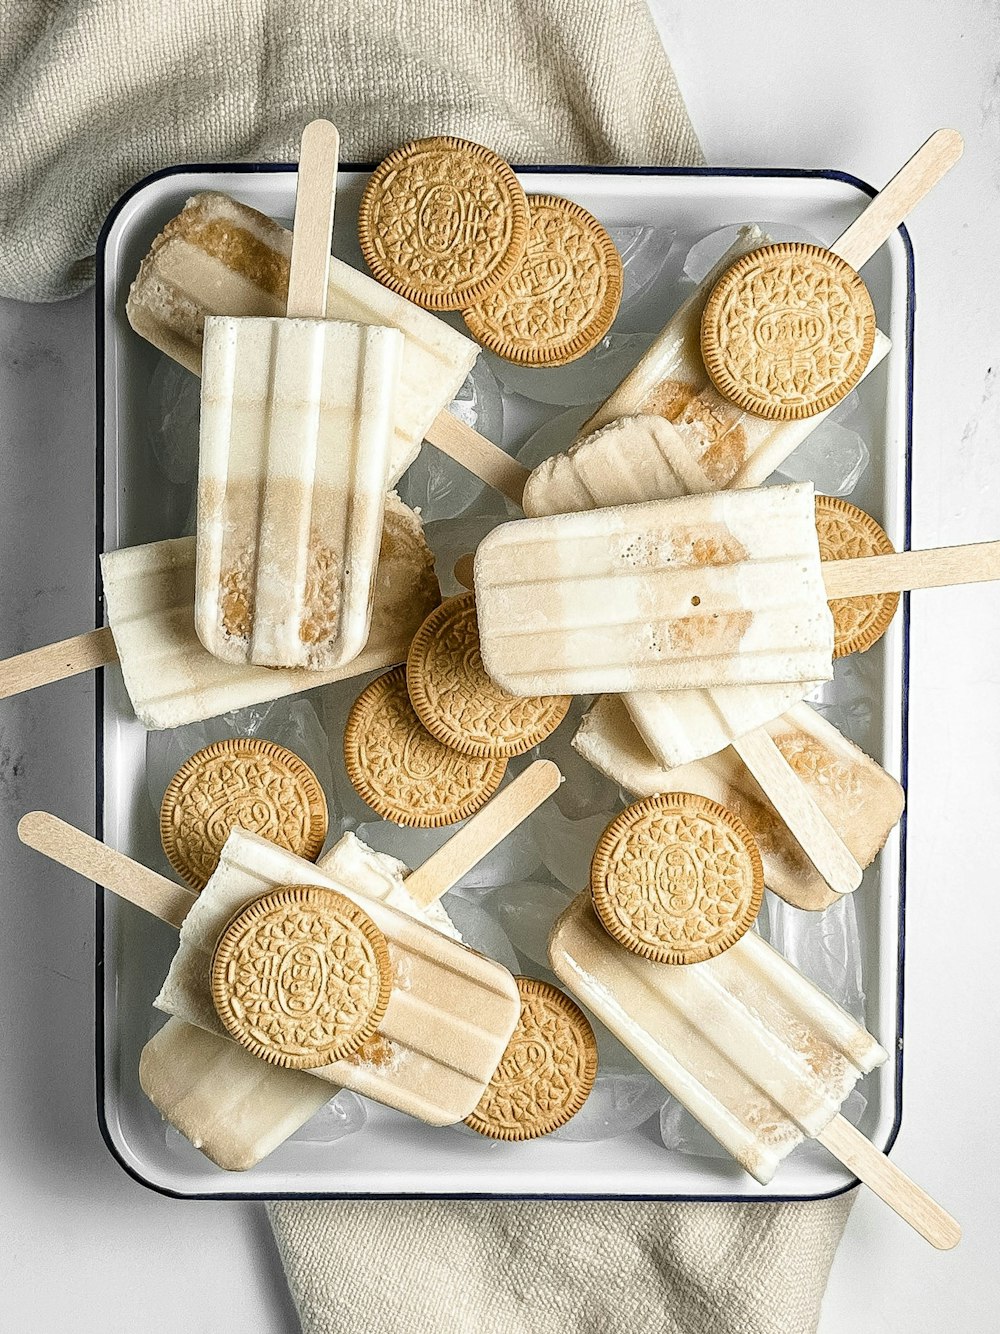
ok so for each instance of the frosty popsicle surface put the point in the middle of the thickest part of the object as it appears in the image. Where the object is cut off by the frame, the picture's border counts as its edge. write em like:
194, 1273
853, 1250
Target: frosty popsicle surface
172, 679
714, 589
296, 429
749, 1046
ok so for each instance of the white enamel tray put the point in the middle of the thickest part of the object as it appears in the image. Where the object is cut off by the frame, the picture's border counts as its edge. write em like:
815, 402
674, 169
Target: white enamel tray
393, 1155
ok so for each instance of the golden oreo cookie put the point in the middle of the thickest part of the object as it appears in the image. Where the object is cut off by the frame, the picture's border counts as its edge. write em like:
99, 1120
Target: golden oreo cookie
677, 878
401, 771
547, 1070
458, 703
846, 532
787, 331
443, 221
301, 977
562, 296
245, 782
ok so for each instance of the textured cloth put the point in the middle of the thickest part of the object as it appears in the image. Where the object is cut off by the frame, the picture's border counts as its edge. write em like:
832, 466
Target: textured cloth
567, 1267
96, 94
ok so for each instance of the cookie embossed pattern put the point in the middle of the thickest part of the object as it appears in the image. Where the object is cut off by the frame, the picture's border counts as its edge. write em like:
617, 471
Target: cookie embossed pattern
563, 296
455, 699
301, 977
788, 331
245, 781
677, 878
443, 221
401, 771
547, 1071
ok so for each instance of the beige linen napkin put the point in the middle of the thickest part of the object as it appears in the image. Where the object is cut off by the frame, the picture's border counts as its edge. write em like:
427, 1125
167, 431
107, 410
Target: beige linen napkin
95, 94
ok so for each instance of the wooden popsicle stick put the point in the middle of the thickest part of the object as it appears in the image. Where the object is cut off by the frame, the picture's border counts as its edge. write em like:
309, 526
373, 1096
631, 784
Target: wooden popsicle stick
891, 205
880, 1174
937, 567
792, 800
483, 832
79, 852
312, 233
480, 456
55, 662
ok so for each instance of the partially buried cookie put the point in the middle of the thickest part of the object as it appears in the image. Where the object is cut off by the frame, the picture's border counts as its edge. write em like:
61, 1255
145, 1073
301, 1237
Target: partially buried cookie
401, 771
443, 221
787, 331
547, 1070
301, 977
458, 703
845, 533
561, 297
677, 878
242, 782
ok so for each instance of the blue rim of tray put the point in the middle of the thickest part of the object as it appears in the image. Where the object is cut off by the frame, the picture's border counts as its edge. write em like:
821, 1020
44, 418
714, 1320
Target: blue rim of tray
253, 168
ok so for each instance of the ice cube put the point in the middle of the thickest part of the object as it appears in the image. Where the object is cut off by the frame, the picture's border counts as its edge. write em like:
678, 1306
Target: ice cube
554, 435
173, 414
848, 700
825, 946
516, 858
567, 846
706, 252
526, 913
617, 1104
480, 930
434, 483
584, 791
588, 379
644, 252
832, 457
412, 846
342, 1116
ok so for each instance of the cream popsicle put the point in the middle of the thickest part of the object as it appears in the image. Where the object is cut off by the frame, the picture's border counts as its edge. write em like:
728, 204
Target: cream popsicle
219, 257
450, 1014
296, 428
451, 1010
860, 800
172, 679
715, 589
730, 447
753, 1050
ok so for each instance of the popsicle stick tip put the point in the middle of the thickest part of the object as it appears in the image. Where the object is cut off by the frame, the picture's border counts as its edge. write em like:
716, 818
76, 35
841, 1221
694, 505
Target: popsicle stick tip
32, 826
321, 133
548, 772
949, 141
948, 1236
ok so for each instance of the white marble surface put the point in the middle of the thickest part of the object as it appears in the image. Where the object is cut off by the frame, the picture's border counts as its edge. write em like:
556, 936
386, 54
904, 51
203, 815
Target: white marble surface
851, 85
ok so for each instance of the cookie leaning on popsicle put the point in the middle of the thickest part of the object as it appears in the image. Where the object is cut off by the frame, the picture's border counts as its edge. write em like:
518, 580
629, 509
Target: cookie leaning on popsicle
450, 1013
699, 441
236, 1108
220, 257
861, 802
727, 446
